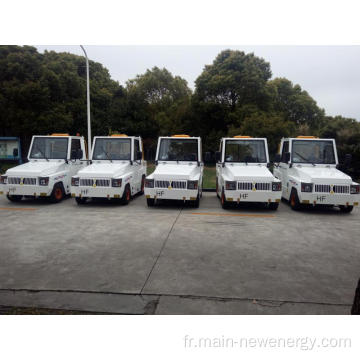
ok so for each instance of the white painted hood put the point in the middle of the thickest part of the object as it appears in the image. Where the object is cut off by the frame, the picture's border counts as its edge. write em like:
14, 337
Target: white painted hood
36, 168
321, 175
176, 172
241, 172
104, 170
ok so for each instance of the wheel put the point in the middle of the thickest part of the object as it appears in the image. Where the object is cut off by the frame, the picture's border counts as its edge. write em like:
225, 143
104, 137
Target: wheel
126, 195
346, 208
196, 203
294, 200
224, 203
80, 200
217, 189
57, 194
14, 198
150, 202
273, 206
142, 185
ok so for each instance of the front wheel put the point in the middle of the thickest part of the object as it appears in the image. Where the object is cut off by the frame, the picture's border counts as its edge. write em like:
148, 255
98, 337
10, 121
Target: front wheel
142, 185
224, 203
346, 208
126, 195
196, 203
14, 198
57, 194
294, 200
150, 202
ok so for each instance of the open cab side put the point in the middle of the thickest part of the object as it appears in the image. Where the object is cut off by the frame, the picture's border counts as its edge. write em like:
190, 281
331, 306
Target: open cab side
117, 170
242, 173
179, 171
52, 161
308, 169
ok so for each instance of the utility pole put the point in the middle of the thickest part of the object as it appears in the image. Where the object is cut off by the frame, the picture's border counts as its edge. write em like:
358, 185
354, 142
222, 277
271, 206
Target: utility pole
88, 101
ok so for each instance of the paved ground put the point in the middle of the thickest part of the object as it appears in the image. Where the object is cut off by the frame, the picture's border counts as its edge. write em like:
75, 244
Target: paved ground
104, 257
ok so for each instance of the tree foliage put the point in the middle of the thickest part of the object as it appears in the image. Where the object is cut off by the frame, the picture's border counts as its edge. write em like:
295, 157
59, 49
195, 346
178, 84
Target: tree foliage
45, 93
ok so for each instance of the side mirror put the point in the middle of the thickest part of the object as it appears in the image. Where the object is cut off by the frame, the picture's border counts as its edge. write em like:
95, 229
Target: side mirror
207, 157
287, 157
138, 155
277, 158
218, 156
15, 152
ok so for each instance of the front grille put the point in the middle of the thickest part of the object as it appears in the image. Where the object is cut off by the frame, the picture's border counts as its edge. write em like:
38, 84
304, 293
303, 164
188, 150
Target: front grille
14, 180
245, 185
103, 182
25, 181
341, 189
319, 188
178, 184
162, 183
262, 186
86, 182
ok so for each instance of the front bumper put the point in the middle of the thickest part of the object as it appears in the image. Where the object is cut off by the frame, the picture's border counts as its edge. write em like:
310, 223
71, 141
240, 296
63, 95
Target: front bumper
329, 199
26, 190
252, 196
97, 192
171, 194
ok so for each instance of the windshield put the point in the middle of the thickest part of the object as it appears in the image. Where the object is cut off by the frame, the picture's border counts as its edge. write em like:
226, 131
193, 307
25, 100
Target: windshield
112, 149
249, 151
49, 148
178, 150
313, 151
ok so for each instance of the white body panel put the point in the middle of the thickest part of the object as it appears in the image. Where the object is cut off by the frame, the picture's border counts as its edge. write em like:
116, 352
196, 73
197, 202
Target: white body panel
253, 180
95, 180
330, 185
171, 177
23, 179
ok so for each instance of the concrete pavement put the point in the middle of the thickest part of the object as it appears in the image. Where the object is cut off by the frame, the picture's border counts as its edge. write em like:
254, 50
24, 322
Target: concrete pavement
104, 257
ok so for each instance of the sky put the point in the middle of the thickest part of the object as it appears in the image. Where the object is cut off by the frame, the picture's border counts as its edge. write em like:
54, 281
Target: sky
330, 74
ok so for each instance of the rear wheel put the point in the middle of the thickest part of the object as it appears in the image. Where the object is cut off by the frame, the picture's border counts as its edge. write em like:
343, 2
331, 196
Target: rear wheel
57, 194
150, 202
273, 206
346, 208
14, 198
294, 200
80, 200
126, 195
224, 203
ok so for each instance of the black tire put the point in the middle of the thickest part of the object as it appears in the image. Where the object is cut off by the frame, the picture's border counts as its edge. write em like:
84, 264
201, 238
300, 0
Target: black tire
294, 200
126, 195
80, 200
196, 203
217, 189
346, 208
14, 198
150, 202
58, 193
273, 206
224, 204
141, 192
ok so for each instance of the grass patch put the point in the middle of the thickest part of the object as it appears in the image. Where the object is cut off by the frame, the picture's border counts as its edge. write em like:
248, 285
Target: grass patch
209, 178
